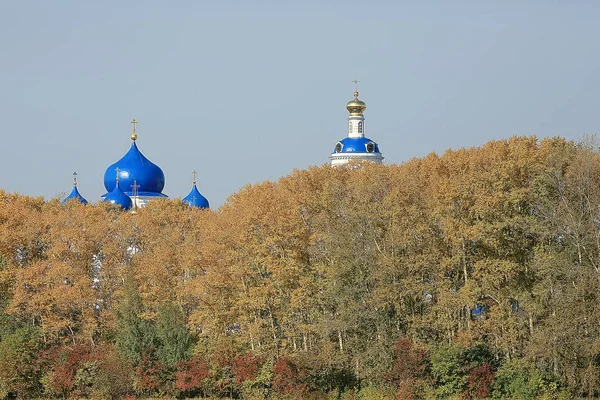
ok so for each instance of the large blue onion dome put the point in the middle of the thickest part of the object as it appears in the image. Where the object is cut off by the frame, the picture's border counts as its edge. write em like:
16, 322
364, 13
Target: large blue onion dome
195, 199
134, 166
136, 169
356, 145
118, 197
75, 193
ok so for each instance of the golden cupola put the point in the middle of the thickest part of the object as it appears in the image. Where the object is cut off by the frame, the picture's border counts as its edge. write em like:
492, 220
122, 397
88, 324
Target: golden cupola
356, 106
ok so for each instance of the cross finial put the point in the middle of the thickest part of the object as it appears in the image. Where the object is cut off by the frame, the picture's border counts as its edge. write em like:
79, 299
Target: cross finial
74, 178
117, 169
134, 193
194, 174
134, 134
134, 188
356, 82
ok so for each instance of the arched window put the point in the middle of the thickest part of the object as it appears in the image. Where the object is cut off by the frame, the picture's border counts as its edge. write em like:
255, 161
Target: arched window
338, 147
360, 129
370, 147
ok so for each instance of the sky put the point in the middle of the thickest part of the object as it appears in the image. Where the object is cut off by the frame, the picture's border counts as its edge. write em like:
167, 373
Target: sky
248, 91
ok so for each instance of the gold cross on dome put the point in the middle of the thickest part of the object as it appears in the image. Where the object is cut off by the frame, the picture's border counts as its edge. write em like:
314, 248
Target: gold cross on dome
194, 174
356, 82
134, 134
74, 178
117, 169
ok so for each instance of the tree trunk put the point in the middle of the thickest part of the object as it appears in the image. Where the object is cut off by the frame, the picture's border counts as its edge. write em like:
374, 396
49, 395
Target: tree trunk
464, 254
530, 325
304, 342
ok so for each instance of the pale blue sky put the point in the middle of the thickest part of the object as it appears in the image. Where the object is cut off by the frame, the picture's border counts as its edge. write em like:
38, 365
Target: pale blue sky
248, 91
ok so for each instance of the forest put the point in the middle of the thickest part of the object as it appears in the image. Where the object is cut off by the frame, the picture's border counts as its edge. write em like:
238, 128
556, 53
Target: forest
472, 274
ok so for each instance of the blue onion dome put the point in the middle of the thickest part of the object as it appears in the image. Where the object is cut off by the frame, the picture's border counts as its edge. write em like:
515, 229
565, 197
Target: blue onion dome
118, 197
75, 193
356, 145
195, 199
136, 169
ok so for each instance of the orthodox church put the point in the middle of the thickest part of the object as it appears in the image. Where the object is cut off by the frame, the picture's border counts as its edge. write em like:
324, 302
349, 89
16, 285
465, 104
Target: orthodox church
133, 181
356, 146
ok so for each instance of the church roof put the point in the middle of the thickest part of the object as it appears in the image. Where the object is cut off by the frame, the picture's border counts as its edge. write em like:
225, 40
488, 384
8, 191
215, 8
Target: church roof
195, 199
116, 196
136, 169
356, 145
75, 195
356, 106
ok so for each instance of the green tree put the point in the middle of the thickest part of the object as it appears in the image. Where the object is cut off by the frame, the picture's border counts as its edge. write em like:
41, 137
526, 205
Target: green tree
174, 340
135, 336
19, 373
520, 379
448, 371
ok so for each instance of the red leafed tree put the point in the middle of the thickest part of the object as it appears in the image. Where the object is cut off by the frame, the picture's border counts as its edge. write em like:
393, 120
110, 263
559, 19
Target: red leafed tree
65, 362
287, 377
406, 390
410, 362
150, 374
409, 370
480, 382
190, 375
245, 368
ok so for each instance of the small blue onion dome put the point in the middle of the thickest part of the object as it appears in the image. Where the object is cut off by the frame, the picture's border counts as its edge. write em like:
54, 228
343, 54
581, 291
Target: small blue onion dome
134, 166
75, 193
356, 145
195, 199
116, 196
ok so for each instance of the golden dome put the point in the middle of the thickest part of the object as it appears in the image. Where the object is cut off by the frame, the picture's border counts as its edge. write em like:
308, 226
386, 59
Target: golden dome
356, 106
